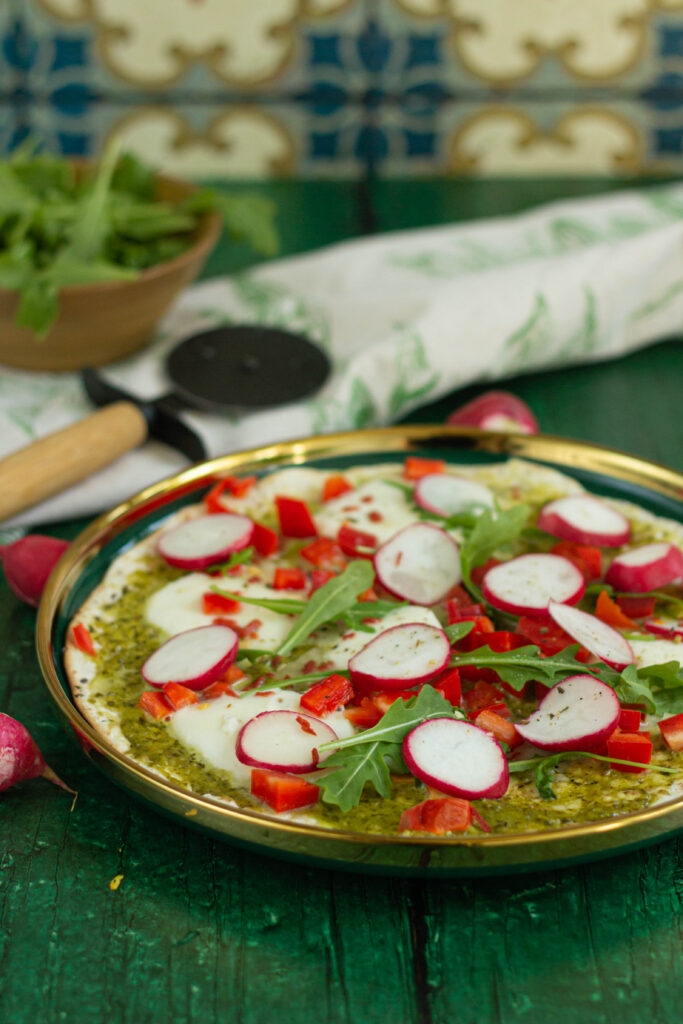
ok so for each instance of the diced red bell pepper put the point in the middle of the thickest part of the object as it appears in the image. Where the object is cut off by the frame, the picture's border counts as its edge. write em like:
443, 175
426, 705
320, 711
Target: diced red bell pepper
319, 577
636, 607
464, 612
218, 604
356, 543
383, 701
449, 686
154, 704
459, 597
629, 720
324, 553
587, 559
265, 540
499, 727
629, 746
477, 574
672, 731
217, 689
334, 486
364, 715
415, 467
237, 487
294, 517
437, 816
83, 640
179, 696
482, 695
608, 611
281, 791
327, 695
550, 637
289, 579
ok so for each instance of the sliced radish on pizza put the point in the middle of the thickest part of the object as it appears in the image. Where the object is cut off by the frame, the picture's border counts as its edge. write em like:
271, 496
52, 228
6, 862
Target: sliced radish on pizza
578, 713
420, 564
584, 520
596, 636
401, 657
645, 568
206, 540
457, 758
285, 741
444, 494
526, 585
194, 658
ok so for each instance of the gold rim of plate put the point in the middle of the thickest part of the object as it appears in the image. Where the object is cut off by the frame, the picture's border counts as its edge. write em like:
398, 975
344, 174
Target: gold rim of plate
432, 856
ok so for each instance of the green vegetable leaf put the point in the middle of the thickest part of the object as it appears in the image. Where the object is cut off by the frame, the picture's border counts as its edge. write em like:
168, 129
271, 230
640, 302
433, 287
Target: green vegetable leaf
399, 719
242, 557
330, 601
352, 770
247, 216
525, 664
493, 529
457, 630
38, 305
543, 768
282, 605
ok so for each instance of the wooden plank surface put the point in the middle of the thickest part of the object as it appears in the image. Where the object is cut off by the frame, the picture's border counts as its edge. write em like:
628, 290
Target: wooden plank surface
200, 932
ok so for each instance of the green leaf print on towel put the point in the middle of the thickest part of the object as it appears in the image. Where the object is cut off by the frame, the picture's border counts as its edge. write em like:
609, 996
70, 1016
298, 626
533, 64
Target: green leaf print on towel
531, 340
585, 339
416, 376
277, 306
359, 410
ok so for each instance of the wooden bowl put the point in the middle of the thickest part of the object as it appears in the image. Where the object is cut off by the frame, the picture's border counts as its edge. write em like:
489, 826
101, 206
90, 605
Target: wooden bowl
98, 323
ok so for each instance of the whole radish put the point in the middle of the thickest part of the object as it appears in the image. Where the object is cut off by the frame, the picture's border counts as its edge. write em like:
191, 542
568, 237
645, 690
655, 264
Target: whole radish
28, 563
496, 410
20, 758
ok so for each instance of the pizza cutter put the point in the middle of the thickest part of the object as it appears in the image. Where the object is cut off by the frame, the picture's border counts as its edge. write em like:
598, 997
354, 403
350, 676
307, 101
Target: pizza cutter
233, 370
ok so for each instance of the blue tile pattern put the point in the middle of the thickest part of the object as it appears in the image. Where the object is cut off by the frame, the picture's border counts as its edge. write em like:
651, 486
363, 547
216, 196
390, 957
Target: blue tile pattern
370, 88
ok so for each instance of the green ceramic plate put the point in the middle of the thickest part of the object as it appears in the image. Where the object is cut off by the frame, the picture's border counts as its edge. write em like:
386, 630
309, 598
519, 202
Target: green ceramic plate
611, 473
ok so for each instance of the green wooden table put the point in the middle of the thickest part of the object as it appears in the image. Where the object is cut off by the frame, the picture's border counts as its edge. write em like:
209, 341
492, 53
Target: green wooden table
201, 932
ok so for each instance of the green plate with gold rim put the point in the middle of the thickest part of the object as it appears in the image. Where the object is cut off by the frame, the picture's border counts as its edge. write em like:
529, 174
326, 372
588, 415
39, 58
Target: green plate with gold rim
603, 471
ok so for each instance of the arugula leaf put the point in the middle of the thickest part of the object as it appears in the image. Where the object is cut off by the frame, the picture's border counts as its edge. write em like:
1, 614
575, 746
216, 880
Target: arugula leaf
242, 557
399, 719
246, 215
306, 680
352, 770
493, 529
543, 768
457, 630
525, 664
282, 605
368, 756
330, 601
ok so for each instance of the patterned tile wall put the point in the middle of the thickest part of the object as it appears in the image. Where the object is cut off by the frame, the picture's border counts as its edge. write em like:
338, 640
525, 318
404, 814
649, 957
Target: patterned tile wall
344, 88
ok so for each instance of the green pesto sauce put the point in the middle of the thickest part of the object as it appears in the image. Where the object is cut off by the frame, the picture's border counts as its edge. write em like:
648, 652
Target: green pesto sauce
585, 790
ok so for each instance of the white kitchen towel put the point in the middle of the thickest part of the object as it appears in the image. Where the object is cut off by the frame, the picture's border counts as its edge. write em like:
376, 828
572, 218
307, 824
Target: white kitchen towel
405, 317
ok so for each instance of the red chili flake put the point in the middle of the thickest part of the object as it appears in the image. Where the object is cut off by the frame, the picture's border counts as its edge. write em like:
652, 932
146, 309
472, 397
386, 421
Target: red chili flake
399, 556
308, 667
375, 517
306, 726
367, 498
251, 629
347, 636
315, 756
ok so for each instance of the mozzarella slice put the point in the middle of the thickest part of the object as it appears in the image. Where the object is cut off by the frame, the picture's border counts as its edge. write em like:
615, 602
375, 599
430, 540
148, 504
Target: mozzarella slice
178, 606
211, 729
375, 507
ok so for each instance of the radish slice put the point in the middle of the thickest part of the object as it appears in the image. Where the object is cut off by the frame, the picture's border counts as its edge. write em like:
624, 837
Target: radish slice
456, 758
526, 585
401, 657
420, 564
444, 495
585, 520
194, 658
596, 636
578, 713
664, 627
496, 410
285, 741
206, 540
645, 568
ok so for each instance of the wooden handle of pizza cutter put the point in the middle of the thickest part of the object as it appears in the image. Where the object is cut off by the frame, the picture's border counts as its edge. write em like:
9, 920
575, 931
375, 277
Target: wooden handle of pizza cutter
53, 463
